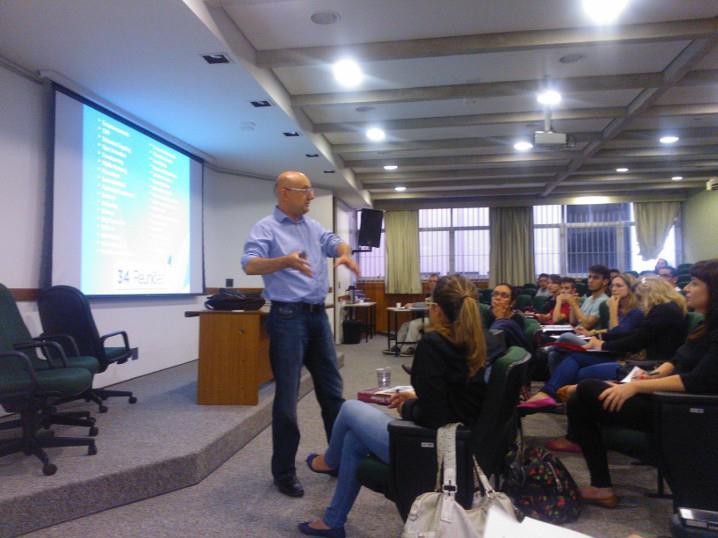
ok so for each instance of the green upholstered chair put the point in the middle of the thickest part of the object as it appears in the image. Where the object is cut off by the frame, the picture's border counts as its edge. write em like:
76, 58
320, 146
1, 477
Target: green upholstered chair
527, 291
484, 310
683, 280
65, 310
27, 392
693, 319
17, 336
604, 316
684, 268
539, 301
491, 437
524, 301
485, 295
531, 327
581, 289
530, 285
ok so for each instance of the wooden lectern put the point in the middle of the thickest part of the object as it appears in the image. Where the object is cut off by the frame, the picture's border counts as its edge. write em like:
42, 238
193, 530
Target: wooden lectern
233, 357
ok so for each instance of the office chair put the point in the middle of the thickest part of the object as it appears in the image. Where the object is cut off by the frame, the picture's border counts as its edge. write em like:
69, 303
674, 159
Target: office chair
65, 310
412, 467
27, 391
17, 336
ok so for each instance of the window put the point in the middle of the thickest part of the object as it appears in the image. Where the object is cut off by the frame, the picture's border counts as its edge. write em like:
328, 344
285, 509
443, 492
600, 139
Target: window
568, 239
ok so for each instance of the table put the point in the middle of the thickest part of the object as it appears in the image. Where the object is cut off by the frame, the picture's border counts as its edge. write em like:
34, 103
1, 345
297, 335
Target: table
369, 321
233, 356
393, 335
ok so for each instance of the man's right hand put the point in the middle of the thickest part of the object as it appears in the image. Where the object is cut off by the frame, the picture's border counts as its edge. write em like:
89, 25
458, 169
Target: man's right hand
296, 261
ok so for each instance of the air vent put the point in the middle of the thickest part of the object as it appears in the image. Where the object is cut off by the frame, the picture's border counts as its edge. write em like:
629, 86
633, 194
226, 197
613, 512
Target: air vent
216, 58
328, 171
290, 133
311, 155
260, 104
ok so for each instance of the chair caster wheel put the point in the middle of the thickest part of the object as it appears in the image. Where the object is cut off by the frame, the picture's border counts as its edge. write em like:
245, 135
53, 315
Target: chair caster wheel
49, 469
94, 430
133, 400
91, 450
103, 409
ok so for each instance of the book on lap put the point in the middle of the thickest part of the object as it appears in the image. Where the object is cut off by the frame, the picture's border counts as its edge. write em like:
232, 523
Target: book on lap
381, 395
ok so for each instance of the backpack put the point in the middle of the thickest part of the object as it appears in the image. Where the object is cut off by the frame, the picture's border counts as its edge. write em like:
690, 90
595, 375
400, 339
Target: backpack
234, 300
541, 487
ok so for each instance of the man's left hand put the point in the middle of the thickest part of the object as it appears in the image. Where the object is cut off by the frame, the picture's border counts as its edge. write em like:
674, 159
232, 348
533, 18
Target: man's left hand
349, 262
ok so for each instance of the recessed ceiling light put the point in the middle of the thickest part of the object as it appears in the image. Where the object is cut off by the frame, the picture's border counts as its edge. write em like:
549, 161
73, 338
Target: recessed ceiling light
311, 155
669, 139
621, 170
571, 58
400, 188
364, 108
549, 98
523, 145
290, 133
260, 104
325, 17
347, 73
604, 11
677, 178
216, 58
375, 134
390, 167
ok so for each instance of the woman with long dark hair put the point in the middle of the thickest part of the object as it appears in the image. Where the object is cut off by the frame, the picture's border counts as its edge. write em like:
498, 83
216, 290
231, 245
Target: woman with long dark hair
449, 378
693, 368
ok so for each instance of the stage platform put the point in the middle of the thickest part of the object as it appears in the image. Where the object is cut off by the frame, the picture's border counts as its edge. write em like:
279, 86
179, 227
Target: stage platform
163, 443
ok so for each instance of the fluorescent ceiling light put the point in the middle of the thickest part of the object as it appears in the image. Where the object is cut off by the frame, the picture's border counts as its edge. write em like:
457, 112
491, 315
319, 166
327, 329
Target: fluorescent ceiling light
400, 189
587, 200
390, 167
348, 73
669, 139
375, 134
604, 11
549, 98
621, 170
523, 145
677, 178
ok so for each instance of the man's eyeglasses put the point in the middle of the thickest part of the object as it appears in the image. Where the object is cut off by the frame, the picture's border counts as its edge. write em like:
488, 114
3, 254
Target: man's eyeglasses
303, 190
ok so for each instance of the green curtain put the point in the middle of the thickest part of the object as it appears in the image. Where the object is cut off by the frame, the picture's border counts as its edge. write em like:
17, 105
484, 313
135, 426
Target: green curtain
653, 222
402, 252
512, 245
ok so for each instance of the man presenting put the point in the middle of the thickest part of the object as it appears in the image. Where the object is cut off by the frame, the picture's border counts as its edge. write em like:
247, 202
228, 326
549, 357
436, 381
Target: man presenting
289, 251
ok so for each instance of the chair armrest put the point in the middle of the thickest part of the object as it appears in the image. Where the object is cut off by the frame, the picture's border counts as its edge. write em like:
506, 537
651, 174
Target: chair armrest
71, 348
45, 346
24, 360
116, 333
684, 397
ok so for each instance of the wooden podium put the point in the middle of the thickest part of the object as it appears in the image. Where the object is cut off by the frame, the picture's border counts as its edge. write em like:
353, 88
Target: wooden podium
233, 357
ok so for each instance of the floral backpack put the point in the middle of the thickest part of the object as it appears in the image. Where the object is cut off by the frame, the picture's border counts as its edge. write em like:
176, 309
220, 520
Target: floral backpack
541, 487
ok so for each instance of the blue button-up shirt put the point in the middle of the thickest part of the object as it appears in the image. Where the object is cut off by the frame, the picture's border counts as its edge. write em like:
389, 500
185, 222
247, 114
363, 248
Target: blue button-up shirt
278, 235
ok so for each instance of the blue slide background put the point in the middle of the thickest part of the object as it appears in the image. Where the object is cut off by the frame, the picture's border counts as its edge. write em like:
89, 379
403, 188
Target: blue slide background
135, 211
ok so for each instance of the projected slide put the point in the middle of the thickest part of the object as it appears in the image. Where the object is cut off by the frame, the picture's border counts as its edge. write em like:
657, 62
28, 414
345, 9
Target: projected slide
127, 207
135, 210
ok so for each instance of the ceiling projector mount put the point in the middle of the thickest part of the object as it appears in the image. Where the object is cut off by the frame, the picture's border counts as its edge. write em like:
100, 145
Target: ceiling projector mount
550, 138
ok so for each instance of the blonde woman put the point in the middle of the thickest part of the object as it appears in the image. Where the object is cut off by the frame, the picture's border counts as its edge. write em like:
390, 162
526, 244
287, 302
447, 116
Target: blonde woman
625, 316
448, 375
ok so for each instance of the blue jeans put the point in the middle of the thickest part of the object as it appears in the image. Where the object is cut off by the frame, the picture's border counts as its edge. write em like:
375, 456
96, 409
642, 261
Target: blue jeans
556, 355
360, 428
567, 371
608, 371
299, 337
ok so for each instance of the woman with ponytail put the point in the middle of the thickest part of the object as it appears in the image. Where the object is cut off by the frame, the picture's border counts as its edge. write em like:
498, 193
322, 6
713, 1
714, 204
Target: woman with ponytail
449, 377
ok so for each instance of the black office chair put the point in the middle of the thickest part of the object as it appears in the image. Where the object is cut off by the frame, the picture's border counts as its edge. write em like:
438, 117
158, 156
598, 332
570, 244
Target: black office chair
27, 391
65, 310
412, 467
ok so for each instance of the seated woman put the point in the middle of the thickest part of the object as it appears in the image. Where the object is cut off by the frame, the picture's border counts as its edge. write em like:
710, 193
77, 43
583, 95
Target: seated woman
693, 368
449, 372
502, 316
625, 316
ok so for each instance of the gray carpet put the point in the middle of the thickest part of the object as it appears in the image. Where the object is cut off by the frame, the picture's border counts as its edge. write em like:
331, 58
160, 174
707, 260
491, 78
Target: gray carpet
238, 499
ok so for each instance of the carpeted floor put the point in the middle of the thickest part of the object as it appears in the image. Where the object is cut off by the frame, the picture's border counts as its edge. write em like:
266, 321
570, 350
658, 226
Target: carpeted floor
239, 500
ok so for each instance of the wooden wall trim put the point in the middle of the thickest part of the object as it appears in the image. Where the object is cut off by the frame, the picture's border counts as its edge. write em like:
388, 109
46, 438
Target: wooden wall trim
25, 294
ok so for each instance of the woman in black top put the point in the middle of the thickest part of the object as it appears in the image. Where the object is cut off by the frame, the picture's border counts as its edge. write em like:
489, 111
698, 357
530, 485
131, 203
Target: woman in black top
448, 376
693, 368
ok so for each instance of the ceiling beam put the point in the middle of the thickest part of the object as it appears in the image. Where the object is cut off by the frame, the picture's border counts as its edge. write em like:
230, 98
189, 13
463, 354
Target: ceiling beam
511, 158
473, 173
671, 76
500, 89
490, 43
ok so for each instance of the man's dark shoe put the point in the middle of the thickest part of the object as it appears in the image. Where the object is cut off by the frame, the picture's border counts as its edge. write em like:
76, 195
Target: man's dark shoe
289, 486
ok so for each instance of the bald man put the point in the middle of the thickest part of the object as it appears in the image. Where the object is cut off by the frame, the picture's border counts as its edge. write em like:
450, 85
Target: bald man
289, 251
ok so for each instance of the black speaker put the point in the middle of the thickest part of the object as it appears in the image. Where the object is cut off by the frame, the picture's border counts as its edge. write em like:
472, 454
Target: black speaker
370, 228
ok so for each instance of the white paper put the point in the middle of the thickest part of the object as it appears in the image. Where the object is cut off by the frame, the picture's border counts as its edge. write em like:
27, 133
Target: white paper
556, 328
633, 373
394, 390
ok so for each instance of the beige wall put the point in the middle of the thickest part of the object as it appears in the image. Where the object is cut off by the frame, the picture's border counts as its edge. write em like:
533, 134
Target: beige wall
700, 231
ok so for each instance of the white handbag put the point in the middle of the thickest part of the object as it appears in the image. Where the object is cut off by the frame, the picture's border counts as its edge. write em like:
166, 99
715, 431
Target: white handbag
438, 515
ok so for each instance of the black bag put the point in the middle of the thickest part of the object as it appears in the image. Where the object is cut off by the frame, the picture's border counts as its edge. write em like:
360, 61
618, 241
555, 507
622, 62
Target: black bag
351, 329
541, 487
234, 300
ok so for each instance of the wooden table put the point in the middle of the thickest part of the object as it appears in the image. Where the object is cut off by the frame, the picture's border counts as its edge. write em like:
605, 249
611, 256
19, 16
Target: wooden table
233, 356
